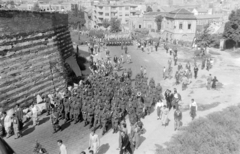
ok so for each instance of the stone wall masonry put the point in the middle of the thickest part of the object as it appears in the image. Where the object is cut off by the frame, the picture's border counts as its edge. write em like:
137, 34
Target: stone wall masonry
33, 62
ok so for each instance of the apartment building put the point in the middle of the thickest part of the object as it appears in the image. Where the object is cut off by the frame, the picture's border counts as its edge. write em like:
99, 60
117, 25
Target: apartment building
108, 11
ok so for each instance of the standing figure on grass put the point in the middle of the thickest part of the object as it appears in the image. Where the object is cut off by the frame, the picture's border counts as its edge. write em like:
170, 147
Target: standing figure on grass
214, 82
94, 142
177, 118
193, 109
165, 111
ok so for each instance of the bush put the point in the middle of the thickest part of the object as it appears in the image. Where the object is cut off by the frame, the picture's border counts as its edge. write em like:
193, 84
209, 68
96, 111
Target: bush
219, 133
143, 31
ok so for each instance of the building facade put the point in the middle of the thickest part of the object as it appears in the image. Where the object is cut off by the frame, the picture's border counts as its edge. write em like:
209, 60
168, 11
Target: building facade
179, 25
107, 11
147, 21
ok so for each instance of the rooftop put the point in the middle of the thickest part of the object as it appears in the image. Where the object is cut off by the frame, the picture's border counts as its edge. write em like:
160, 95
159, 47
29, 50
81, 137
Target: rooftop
209, 16
181, 14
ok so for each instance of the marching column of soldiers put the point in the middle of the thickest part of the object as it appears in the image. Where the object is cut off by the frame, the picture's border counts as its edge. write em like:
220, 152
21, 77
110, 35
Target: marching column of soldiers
101, 101
118, 41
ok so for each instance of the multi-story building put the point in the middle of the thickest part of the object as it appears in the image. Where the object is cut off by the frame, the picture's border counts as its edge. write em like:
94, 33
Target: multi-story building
179, 25
107, 11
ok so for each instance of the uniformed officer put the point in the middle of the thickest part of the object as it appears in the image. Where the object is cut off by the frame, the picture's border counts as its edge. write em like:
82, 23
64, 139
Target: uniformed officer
84, 113
90, 117
72, 105
55, 121
66, 104
97, 113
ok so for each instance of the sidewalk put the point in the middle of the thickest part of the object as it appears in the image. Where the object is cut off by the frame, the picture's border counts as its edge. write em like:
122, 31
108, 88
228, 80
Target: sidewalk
156, 134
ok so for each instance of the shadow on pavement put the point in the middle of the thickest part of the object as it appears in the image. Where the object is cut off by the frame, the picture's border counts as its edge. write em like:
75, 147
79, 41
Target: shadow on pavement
65, 125
45, 119
104, 148
28, 131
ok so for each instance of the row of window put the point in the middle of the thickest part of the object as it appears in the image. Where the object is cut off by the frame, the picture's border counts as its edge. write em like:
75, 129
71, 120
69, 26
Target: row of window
107, 14
114, 8
180, 26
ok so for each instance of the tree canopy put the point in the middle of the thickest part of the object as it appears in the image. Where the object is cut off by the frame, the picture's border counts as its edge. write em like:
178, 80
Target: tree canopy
106, 23
115, 25
76, 19
205, 39
36, 7
158, 21
232, 27
149, 9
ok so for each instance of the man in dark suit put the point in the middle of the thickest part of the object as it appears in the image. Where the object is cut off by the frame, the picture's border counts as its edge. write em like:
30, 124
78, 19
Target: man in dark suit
19, 115
125, 144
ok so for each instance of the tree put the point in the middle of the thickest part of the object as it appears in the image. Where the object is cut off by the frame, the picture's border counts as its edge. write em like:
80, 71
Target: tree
105, 23
203, 39
232, 27
76, 19
158, 21
115, 25
36, 7
149, 9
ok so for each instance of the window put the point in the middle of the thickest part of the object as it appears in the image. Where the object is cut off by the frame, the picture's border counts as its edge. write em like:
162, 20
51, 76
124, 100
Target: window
180, 26
189, 26
120, 8
106, 8
126, 8
126, 14
106, 14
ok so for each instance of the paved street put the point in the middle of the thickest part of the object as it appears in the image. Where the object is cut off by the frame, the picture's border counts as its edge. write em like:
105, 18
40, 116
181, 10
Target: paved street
76, 136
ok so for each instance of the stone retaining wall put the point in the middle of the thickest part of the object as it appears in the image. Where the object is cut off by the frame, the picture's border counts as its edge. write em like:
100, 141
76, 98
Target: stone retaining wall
32, 60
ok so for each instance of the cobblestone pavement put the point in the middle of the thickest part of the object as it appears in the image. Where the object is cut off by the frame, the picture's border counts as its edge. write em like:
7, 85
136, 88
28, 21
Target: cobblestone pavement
75, 136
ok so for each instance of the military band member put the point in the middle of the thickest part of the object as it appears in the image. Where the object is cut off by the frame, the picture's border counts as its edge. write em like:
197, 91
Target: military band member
55, 121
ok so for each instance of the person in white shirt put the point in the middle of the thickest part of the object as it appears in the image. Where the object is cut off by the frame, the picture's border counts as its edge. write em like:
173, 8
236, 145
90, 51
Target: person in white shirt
164, 73
159, 107
94, 142
35, 111
62, 147
193, 109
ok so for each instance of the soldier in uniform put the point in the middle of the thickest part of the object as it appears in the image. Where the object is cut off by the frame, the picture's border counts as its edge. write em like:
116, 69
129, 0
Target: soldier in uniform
55, 121
104, 120
66, 104
72, 105
76, 111
84, 113
115, 120
97, 114
90, 117
48, 102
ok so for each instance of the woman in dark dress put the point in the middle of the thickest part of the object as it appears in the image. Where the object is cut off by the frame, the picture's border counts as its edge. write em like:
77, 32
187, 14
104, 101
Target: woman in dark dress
214, 82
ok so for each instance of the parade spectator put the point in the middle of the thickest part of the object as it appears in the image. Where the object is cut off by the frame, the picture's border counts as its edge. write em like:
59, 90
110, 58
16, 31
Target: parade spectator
159, 107
164, 73
214, 82
122, 128
125, 144
193, 109
35, 111
209, 81
177, 118
195, 71
165, 112
8, 125
19, 115
16, 126
62, 147
94, 142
